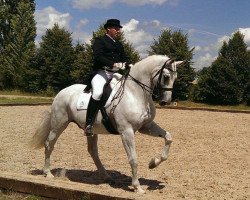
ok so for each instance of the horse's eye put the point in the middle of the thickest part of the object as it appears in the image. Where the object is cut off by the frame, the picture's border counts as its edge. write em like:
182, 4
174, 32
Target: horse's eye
166, 78
167, 75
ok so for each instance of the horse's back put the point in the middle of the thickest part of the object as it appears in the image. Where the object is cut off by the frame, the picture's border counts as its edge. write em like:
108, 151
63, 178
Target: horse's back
65, 95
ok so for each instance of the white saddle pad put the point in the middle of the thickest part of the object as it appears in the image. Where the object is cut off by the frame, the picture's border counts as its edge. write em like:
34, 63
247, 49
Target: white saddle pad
82, 102
83, 99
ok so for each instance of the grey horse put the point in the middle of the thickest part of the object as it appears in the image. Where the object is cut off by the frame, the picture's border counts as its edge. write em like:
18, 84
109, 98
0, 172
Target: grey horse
130, 107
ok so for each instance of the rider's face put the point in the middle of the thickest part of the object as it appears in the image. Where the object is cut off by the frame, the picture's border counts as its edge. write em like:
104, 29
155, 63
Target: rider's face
114, 32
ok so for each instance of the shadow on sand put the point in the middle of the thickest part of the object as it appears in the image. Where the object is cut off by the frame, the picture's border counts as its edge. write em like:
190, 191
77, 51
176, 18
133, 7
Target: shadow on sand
119, 180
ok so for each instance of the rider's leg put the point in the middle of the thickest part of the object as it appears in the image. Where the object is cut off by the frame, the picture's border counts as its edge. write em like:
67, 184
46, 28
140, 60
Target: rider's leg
98, 83
92, 111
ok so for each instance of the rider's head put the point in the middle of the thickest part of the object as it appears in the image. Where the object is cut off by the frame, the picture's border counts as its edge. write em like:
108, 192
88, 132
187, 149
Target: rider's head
113, 28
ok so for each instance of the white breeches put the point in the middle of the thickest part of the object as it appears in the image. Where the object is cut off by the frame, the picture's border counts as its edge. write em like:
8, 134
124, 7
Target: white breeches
98, 82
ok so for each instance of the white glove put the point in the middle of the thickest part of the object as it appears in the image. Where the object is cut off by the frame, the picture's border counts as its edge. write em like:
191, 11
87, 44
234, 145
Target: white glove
130, 65
118, 66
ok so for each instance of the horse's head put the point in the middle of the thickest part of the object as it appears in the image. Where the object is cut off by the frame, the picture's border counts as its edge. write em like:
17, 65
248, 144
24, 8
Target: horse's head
164, 78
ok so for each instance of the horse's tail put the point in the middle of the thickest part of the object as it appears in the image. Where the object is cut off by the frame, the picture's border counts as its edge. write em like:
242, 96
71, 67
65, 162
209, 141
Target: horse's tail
42, 132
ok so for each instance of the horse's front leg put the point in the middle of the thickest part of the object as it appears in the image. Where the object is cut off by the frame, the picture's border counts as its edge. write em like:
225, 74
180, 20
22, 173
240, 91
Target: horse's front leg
129, 145
93, 151
155, 130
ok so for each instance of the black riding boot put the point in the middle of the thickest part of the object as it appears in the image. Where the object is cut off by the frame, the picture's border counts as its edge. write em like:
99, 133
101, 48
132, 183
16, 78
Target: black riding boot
92, 111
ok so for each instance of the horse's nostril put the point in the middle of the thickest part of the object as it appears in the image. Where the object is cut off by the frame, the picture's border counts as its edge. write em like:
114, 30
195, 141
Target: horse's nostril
162, 103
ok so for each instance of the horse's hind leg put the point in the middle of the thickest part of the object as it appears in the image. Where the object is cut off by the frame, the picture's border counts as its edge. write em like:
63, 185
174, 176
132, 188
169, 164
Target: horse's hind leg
49, 146
93, 151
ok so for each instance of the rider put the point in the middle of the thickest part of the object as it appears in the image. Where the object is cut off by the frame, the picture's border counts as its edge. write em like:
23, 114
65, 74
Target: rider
109, 56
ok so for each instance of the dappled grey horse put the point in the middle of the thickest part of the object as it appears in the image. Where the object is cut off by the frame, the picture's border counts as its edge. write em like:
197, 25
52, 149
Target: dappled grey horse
130, 107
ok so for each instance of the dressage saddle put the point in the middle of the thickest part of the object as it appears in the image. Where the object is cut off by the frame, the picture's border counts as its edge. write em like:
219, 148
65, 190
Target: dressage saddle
106, 121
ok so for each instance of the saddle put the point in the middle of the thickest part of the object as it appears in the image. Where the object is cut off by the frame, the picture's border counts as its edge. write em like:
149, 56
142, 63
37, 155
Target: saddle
106, 121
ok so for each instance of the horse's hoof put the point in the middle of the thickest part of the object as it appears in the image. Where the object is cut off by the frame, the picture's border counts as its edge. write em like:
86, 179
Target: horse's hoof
140, 190
49, 176
152, 164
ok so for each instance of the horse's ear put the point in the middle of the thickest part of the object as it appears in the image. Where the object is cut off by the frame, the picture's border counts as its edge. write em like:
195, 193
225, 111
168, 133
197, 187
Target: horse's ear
170, 61
180, 63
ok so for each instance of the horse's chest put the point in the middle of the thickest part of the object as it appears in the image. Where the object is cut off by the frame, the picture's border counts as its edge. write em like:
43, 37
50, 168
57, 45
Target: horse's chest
145, 114
146, 117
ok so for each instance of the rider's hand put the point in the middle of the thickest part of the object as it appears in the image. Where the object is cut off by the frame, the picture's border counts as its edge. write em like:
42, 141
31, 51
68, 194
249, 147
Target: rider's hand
118, 66
129, 65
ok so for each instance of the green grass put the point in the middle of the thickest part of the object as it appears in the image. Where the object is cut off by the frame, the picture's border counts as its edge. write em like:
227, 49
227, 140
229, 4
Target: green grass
201, 105
17, 97
19, 93
24, 100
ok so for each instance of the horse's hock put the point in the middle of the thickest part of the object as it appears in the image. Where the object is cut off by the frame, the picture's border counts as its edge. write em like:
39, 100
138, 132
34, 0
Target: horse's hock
208, 157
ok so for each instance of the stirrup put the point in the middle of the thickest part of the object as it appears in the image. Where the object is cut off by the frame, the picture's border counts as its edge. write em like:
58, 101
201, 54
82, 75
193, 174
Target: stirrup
88, 131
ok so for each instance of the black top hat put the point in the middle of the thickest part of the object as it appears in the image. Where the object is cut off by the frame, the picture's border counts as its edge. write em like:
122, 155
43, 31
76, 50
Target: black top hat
112, 23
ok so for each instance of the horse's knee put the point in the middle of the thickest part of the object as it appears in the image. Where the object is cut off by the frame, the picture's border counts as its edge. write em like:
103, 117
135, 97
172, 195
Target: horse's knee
133, 163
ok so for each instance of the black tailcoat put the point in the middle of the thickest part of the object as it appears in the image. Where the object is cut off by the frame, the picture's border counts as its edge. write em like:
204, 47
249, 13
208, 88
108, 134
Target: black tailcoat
107, 52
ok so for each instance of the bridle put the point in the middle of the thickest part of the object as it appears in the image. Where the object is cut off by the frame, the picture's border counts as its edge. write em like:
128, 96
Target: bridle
160, 72
158, 89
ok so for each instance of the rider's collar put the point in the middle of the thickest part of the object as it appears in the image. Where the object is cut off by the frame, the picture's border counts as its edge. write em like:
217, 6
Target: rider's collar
111, 37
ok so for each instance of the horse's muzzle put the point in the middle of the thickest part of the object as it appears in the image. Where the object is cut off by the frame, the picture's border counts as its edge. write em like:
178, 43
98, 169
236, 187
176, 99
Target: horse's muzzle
166, 98
164, 103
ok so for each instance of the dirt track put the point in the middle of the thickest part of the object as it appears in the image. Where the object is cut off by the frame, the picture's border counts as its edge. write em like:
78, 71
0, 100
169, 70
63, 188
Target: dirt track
209, 157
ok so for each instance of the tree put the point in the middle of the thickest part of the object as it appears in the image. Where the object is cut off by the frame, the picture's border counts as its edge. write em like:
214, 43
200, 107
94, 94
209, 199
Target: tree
17, 41
175, 45
246, 95
55, 59
226, 81
8, 9
235, 51
83, 63
218, 84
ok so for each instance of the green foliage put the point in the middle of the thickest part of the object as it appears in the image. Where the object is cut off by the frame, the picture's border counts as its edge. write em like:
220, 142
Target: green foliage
219, 85
236, 53
83, 63
8, 9
175, 45
54, 59
246, 94
17, 42
226, 81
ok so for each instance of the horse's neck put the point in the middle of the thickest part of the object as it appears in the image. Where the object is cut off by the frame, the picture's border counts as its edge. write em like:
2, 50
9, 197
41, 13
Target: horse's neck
142, 74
